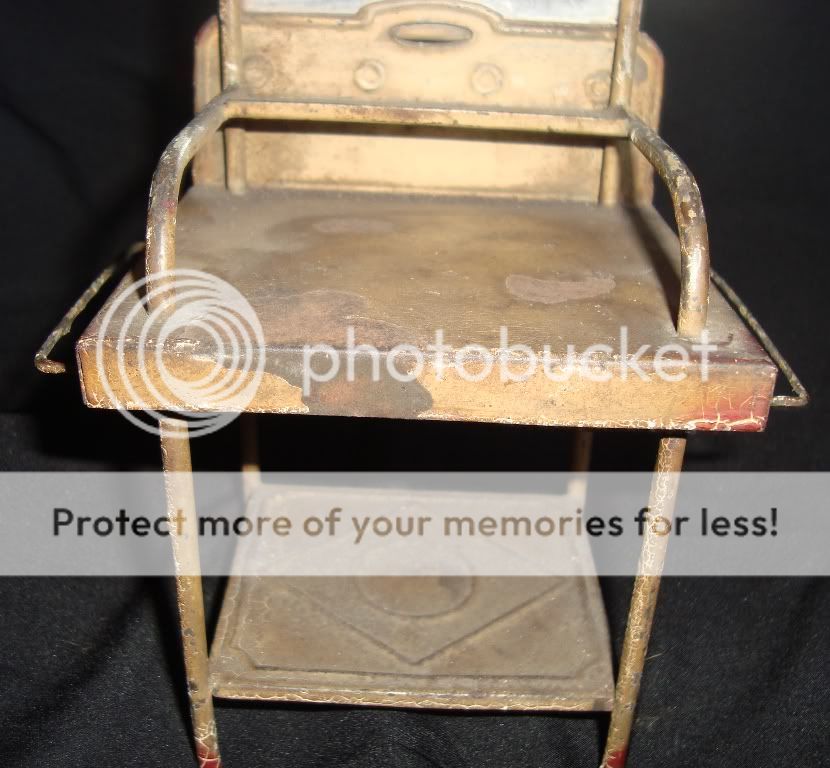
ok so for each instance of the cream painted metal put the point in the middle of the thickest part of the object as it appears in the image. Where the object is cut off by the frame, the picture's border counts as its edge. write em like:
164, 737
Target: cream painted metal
509, 144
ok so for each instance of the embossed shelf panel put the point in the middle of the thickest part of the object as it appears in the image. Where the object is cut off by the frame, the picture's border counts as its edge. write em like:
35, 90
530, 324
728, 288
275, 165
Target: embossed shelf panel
398, 269
524, 643
461, 642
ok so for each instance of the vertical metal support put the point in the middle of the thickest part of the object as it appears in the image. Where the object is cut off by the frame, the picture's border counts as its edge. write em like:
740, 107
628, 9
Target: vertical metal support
622, 82
251, 474
644, 598
580, 464
230, 18
183, 524
695, 269
581, 451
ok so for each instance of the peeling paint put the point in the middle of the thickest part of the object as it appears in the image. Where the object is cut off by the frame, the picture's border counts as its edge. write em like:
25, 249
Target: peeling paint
559, 290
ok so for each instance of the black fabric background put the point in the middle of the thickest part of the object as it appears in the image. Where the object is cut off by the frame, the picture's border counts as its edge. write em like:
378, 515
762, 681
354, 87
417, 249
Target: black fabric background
90, 675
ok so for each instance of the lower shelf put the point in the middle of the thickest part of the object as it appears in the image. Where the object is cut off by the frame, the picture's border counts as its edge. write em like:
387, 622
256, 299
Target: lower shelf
477, 643
466, 642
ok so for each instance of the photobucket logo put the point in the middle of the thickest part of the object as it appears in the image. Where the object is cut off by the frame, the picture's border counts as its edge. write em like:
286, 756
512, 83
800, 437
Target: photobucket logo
512, 362
210, 322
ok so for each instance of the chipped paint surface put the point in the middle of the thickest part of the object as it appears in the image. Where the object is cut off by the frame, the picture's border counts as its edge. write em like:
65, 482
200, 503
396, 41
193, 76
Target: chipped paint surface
727, 416
206, 757
558, 290
469, 269
736, 404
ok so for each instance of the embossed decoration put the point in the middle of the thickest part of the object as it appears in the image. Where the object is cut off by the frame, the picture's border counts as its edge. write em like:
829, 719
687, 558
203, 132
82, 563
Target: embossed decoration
370, 75
257, 71
487, 79
598, 87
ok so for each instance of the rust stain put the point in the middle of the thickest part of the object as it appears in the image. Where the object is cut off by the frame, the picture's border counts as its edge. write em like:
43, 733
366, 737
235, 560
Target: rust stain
378, 396
323, 316
559, 290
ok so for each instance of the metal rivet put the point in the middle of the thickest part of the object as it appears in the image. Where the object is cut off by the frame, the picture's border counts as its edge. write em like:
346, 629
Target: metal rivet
257, 72
487, 79
370, 75
598, 87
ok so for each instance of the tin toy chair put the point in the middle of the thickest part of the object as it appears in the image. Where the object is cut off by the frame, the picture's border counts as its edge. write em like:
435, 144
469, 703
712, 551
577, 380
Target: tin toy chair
408, 165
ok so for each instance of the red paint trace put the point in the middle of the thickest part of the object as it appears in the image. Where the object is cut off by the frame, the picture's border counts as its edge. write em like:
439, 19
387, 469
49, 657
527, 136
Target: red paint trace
207, 759
616, 759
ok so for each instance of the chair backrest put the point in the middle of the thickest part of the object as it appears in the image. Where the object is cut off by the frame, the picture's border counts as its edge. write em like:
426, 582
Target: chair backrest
557, 56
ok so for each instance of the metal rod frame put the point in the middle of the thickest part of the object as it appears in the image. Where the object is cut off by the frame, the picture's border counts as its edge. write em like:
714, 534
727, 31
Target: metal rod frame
800, 396
183, 524
43, 357
644, 599
251, 470
622, 83
230, 32
611, 123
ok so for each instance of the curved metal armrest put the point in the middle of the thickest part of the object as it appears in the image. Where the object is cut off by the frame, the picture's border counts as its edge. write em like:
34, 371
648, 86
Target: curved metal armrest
691, 221
234, 103
165, 189
691, 227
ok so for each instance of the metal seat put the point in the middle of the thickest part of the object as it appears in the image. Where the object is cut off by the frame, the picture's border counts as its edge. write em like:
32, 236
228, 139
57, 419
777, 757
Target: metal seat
321, 267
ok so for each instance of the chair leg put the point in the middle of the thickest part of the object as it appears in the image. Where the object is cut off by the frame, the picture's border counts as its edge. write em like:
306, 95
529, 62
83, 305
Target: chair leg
580, 464
643, 600
251, 472
581, 450
181, 511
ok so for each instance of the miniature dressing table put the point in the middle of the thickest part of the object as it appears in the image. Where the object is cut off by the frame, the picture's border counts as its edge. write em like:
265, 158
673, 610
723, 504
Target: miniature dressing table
399, 167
